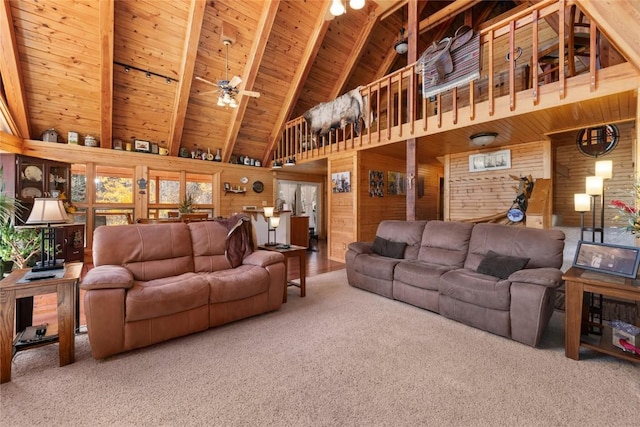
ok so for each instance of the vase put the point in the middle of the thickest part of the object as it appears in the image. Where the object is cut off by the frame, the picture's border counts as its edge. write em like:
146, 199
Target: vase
218, 157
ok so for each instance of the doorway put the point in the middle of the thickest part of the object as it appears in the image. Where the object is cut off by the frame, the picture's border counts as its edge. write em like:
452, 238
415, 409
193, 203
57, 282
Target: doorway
303, 199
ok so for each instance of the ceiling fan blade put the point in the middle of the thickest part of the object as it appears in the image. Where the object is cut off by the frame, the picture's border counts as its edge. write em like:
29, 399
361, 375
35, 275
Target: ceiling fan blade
235, 81
250, 93
209, 92
206, 81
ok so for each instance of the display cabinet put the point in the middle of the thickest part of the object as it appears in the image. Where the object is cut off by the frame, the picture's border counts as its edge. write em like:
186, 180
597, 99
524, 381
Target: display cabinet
70, 240
33, 177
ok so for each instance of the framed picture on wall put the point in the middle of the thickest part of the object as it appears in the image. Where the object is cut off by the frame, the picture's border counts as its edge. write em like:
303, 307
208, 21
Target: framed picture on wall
376, 183
144, 146
608, 258
341, 182
490, 161
397, 182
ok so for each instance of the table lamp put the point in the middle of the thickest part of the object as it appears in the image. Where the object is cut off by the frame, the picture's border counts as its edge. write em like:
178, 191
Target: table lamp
47, 211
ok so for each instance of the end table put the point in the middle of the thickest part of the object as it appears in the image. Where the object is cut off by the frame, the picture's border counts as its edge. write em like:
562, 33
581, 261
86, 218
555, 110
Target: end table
66, 289
292, 251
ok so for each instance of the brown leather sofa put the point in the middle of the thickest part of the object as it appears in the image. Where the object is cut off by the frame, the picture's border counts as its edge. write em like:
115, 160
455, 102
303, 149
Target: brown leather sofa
156, 282
499, 278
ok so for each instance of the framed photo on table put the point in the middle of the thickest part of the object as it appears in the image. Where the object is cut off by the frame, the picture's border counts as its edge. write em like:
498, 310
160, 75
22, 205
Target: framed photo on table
144, 146
607, 258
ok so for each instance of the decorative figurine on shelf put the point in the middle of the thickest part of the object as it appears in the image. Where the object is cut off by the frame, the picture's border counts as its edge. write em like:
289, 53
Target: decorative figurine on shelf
218, 156
50, 135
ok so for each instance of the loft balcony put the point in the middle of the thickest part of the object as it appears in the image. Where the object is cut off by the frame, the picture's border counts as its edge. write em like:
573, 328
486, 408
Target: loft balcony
554, 81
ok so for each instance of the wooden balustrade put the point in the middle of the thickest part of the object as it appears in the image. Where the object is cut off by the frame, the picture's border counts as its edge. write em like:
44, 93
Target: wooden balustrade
398, 111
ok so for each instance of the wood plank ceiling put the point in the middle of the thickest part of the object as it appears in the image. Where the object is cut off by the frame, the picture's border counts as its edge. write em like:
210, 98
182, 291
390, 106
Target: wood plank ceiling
126, 69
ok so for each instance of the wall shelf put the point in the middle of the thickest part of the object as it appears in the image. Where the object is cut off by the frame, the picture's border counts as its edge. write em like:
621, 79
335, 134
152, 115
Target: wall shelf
235, 191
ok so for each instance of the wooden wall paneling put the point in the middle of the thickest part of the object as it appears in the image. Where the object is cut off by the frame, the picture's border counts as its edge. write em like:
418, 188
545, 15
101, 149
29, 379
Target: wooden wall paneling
428, 205
373, 209
343, 222
479, 194
571, 169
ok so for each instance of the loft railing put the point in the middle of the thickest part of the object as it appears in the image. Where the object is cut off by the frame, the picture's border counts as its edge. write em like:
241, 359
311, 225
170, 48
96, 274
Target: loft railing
516, 58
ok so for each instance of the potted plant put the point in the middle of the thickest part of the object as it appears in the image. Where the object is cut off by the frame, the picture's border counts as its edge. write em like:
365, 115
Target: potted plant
18, 246
187, 205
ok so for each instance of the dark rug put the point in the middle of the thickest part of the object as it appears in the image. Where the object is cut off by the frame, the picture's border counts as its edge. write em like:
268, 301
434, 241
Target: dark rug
612, 308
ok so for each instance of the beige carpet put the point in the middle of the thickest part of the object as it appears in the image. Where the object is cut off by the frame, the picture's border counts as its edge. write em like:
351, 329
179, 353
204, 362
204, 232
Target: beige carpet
340, 356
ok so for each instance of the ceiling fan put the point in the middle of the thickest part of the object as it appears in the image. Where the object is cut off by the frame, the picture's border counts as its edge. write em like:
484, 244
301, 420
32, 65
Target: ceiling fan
228, 89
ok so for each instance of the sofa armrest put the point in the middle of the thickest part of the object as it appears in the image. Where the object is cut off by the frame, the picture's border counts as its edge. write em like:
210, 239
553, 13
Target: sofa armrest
107, 277
263, 258
361, 247
549, 277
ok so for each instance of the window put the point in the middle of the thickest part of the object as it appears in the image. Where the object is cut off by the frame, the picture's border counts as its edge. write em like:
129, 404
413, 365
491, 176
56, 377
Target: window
114, 185
167, 189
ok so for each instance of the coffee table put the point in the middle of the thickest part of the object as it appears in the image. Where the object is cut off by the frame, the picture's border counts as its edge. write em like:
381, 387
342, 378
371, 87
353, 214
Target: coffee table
292, 251
66, 289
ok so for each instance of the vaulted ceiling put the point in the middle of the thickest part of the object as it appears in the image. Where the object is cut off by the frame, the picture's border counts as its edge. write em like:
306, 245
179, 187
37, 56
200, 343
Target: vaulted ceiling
127, 69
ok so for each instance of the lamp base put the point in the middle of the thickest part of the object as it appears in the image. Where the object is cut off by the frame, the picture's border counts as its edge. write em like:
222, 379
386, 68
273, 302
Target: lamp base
271, 244
40, 266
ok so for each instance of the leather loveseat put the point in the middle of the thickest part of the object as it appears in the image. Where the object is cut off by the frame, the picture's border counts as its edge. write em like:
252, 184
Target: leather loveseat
156, 282
499, 278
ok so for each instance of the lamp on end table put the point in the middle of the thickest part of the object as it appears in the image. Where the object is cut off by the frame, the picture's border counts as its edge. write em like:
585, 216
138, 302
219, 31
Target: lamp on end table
47, 211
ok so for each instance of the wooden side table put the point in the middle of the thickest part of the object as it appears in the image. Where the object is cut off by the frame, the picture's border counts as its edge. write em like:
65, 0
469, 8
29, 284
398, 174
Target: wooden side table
65, 287
292, 251
578, 282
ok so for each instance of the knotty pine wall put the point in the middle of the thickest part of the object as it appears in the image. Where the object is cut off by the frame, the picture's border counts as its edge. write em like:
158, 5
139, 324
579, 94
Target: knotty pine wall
571, 168
343, 212
479, 194
372, 210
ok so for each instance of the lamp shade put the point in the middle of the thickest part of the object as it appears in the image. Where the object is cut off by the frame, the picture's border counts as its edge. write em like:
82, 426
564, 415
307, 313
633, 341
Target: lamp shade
268, 211
47, 211
604, 168
582, 202
594, 185
274, 221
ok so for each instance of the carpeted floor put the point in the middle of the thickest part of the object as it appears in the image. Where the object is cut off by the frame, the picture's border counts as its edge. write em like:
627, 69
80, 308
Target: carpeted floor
340, 356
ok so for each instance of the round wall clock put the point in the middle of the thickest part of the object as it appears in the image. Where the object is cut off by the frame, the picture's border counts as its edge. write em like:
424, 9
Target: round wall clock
258, 186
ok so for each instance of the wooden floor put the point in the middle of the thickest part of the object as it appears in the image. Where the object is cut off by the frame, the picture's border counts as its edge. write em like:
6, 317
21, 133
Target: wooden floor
44, 306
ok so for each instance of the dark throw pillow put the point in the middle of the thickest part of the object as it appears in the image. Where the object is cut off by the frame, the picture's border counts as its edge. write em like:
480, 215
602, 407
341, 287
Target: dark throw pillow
388, 248
501, 266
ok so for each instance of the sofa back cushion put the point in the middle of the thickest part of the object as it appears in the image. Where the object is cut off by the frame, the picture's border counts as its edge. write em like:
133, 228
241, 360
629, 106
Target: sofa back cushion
409, 232
209, 244
149, 251
544, 248
445, 243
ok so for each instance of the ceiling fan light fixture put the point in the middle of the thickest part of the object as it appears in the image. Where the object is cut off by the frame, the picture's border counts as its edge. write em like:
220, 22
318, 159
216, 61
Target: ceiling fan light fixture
337, 8
356, 4
483, 138
233, 103
220, 102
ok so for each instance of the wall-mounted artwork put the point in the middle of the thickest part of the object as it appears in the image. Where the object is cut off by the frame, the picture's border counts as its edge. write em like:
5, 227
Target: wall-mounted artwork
341, 182
397, 183
376, 183
490, 161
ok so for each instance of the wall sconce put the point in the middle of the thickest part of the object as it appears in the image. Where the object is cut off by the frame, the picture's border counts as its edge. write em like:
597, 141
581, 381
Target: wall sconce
483, 138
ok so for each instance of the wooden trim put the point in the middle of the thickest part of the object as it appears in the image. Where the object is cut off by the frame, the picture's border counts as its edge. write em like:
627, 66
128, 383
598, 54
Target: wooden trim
107, 29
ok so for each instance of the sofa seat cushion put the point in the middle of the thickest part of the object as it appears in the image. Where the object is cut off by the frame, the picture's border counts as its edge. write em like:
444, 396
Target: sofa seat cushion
420, 274
163, 297
376, 266
237, 283
476, 288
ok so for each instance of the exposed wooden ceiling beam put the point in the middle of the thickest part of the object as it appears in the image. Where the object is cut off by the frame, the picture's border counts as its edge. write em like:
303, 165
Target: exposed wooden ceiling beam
265, 24
12, 73
106, 28
187, 65
618, 20
306, 62
446, 13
